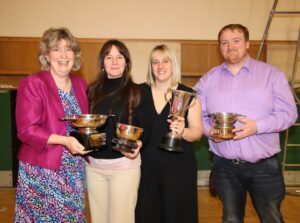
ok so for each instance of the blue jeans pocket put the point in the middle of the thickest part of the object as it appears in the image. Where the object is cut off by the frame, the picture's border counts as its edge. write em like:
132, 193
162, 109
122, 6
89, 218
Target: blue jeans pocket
215, 162
272, 166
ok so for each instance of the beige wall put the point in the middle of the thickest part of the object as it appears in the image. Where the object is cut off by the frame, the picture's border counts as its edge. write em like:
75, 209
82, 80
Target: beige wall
140, 52
154, 20
145, 19
282, 55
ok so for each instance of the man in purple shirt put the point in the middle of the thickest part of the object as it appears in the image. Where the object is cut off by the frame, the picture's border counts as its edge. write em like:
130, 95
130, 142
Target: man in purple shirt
248, 162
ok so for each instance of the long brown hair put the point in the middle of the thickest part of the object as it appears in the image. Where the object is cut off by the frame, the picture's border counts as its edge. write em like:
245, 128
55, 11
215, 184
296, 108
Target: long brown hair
127, 91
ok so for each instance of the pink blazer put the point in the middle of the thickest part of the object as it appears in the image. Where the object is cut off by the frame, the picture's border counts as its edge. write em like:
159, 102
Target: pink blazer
38, 110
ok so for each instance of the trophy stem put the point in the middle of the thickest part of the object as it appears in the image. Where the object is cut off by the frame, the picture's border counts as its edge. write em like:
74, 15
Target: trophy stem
92, 141
87, 130
124, 145
171, 143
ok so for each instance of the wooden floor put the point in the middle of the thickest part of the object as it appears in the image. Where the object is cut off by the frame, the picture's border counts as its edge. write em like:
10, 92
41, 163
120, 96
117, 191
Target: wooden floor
210, 207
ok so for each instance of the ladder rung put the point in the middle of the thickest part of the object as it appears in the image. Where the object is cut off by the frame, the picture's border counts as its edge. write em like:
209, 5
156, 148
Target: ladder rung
286, 12
292, 145
292, 164
296, 184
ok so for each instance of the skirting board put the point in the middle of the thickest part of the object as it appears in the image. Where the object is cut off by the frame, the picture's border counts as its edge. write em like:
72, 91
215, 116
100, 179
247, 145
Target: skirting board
292, 178
6, 179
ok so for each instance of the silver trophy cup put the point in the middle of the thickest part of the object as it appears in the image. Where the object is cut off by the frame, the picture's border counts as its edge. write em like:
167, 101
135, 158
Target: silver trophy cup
223, 124
126, 137
179, 103
86, 129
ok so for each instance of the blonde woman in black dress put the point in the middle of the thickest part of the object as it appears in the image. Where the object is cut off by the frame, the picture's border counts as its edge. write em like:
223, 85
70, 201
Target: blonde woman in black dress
168, 187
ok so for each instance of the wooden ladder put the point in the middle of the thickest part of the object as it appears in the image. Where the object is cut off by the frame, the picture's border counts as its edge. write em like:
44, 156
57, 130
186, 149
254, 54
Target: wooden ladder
294, 84
266, 32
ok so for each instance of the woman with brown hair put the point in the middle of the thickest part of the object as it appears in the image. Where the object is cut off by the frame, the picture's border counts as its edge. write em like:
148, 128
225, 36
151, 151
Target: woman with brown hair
112, 176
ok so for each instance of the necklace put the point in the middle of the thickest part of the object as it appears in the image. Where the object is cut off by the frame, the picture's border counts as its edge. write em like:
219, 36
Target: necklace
66, 87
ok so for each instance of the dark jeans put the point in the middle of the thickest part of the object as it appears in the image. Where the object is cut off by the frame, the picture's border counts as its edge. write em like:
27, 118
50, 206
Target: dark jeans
262, 180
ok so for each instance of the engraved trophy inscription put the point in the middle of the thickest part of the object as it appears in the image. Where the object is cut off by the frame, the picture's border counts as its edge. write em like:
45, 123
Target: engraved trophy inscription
223, 124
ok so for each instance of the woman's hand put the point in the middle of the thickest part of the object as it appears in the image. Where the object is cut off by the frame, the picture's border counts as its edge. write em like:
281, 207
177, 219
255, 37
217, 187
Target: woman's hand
177, 125
69, 142
74, 146
135, 151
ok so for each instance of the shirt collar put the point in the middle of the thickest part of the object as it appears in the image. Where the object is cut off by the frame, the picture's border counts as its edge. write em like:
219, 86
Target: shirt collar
246, 65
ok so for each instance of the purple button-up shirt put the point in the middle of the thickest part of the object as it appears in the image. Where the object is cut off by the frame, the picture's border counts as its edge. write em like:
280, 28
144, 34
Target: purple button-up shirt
258, 91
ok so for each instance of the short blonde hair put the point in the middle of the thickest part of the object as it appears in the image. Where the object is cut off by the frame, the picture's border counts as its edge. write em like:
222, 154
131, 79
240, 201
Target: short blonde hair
50, 39
170, 54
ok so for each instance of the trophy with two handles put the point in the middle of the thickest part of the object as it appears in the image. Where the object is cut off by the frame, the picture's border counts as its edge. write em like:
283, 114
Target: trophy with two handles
179, 102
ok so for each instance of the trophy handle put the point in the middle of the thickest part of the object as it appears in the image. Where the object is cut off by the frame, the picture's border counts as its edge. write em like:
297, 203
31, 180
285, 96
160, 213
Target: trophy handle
68, 118
166, 93
169, 100
192, 102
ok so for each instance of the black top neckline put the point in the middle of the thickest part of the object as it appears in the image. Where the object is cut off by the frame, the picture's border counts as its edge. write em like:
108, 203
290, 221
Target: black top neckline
166, 105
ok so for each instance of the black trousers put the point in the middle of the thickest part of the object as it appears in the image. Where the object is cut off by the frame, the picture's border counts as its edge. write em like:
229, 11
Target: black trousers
168, 189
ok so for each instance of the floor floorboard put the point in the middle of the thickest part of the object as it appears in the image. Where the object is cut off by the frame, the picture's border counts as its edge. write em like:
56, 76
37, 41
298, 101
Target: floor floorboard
210, 208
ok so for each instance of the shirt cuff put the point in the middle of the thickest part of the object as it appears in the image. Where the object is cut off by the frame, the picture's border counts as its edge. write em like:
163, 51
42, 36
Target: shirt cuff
261, 126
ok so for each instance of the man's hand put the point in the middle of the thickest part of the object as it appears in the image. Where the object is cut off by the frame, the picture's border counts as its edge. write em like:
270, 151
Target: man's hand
249, 128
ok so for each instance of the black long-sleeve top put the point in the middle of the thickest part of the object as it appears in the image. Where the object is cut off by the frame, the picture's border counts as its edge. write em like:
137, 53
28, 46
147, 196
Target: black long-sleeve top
111, 105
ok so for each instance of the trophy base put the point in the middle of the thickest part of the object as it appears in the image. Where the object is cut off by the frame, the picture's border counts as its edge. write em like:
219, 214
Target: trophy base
223, 133
171, 143
90, 141
123, 145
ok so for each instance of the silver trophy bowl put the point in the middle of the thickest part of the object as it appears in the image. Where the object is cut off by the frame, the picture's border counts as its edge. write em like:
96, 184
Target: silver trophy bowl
223, 124
86, 129
126, 137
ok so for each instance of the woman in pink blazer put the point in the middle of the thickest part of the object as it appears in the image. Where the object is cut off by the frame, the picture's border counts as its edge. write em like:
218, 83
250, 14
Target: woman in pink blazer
51, 176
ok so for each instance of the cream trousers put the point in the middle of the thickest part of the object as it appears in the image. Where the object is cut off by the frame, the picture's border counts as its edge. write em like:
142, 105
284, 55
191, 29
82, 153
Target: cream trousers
112, 194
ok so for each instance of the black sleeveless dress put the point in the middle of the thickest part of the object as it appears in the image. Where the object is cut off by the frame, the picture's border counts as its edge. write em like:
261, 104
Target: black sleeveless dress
168, 186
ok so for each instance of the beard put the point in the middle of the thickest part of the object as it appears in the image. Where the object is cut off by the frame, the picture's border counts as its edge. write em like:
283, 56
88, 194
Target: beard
235, 57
